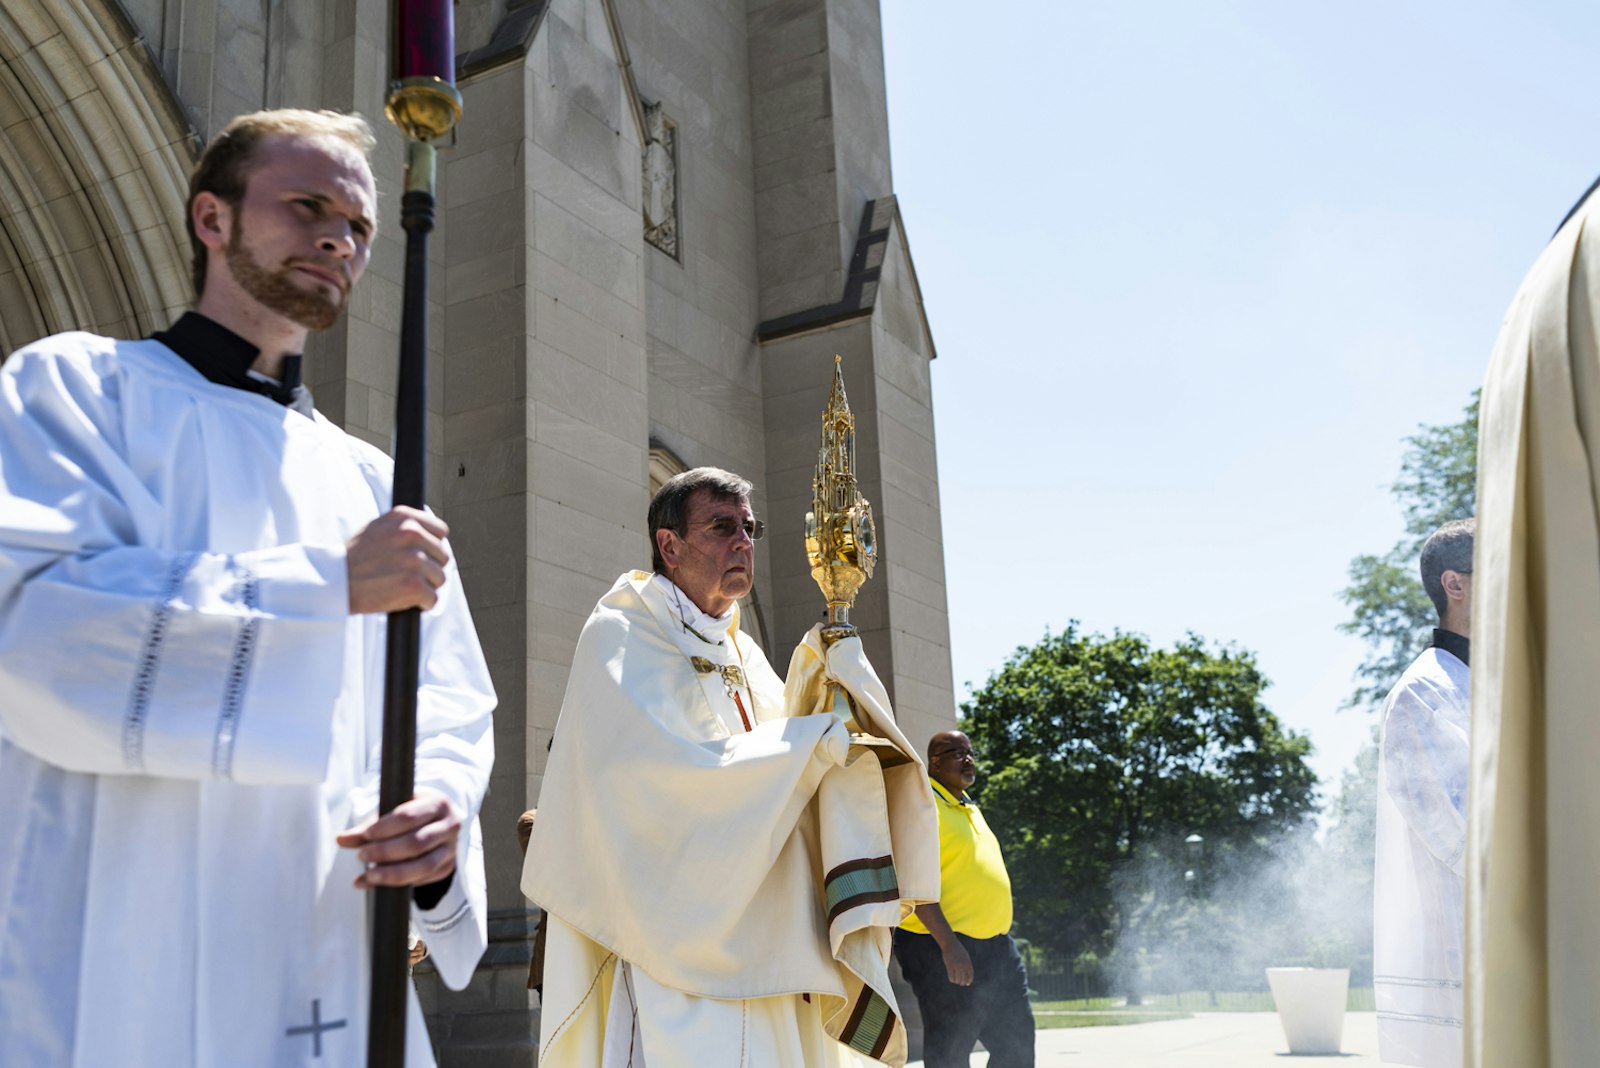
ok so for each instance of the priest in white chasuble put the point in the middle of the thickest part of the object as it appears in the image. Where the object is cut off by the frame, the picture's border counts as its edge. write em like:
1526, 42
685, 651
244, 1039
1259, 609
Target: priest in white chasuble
194, 571
721, 870
1533, 855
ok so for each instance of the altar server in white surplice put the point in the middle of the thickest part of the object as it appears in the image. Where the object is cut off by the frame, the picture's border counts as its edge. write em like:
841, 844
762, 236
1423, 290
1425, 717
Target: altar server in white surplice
720, 870
1422, 825
194, 568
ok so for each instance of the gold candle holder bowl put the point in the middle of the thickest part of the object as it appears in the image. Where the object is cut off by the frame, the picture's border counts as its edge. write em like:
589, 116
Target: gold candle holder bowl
425, 108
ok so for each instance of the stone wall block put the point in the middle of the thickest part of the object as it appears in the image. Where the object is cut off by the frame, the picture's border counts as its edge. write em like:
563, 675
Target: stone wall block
562, 327
588, 201
588, 76
471, 279
500, 626
905, 368
914, 414
811, 256
776, 43
505, 419
579, 541
564, 432
28, 26
905, 582
590, 145
488, 582
920, 485
907, 445
372, 354
484, 225
554, 635
795, 103
587, 252
591, 396
796, 144
799, 164
572, 593
492, 471
547, 685
493, 112
45, 182
486, 320
911, 547
491, 523
487, 173
811, 291
920, 658
481, 376
574, 483
617, 314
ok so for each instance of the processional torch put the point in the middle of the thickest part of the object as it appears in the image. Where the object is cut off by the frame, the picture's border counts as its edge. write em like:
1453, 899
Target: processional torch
842, 547
424, 104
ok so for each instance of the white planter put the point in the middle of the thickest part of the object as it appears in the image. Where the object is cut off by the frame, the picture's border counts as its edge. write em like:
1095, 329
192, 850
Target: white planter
1310, 1005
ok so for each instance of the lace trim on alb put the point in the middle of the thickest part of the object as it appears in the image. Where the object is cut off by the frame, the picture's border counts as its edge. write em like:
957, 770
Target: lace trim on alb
438, 926
135, 719
244, 648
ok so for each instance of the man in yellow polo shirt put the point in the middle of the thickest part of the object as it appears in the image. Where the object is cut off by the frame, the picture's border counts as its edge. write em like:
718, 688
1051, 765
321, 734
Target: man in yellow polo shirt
958, 954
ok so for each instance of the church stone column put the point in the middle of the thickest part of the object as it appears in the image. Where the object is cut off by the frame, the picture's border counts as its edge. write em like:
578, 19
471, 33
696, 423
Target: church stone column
545, 427
836, 277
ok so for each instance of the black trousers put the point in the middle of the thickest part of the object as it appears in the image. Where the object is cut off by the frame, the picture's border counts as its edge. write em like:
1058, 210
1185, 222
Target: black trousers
993, 1010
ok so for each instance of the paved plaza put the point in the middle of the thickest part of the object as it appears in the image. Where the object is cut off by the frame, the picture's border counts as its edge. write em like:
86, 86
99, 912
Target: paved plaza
1209, 1040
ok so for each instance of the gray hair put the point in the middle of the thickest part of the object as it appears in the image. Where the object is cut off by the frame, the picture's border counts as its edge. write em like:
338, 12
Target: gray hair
1447, 549
669, 508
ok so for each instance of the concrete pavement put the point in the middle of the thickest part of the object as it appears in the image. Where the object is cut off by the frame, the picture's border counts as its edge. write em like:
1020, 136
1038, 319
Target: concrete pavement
1209, 1040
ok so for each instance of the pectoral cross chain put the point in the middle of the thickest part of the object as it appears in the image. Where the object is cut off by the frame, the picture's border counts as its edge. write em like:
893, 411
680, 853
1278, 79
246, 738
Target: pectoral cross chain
732, 679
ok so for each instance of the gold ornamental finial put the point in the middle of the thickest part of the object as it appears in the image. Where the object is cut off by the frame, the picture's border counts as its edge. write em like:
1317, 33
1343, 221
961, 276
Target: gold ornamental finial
841, 541
842, 546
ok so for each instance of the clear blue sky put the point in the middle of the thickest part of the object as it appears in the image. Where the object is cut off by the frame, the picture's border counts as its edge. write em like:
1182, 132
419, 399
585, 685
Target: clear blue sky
1195, 269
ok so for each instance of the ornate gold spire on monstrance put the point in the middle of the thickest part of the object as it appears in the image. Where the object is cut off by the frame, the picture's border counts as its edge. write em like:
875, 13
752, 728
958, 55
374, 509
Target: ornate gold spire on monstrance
842, 546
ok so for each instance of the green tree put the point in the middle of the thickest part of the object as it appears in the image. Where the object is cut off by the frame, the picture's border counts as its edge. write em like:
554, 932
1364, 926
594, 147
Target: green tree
1100, 755
1389, 610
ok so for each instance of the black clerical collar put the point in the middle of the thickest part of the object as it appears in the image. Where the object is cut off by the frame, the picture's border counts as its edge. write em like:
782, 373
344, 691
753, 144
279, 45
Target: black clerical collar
1453, 643
225, 358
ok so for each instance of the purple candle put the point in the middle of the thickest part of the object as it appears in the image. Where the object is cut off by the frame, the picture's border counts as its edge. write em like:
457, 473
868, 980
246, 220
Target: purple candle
425, 39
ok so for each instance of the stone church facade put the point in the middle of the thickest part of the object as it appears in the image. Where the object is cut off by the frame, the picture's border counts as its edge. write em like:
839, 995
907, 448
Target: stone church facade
659, 221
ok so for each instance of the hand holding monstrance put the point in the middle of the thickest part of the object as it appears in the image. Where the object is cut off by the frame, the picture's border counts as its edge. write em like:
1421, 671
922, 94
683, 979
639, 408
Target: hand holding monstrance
842, 546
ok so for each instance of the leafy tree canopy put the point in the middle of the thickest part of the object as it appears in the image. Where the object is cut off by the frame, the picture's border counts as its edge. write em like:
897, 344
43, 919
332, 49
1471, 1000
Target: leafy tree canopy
1100, 755
1389, 610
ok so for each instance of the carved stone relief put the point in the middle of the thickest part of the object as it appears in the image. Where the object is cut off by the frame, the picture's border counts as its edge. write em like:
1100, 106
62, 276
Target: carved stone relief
661, 180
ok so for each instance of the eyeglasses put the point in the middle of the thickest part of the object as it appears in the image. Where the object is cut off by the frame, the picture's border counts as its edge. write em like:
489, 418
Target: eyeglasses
726, 526
957, 753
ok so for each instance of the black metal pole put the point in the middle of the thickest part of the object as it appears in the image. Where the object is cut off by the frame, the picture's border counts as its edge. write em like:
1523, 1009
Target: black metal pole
386, 1025
423, 102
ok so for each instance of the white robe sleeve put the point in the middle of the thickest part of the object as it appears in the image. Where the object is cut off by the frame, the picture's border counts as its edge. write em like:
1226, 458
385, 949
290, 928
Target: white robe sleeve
455, 751
1425, 772
120, 657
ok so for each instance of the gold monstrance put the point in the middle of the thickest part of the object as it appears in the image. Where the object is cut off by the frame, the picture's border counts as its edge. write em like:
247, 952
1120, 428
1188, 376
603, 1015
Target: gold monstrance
842, 546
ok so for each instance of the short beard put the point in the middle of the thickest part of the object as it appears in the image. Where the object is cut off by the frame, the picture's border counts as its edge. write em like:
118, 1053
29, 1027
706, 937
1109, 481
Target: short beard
312, 308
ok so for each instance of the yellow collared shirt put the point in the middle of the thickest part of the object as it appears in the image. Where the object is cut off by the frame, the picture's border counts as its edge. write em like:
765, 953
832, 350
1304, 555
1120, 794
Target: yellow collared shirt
975, 891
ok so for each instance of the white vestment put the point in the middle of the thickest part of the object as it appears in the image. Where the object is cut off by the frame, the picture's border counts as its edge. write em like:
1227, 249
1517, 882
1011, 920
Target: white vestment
1533, 854
190, 715
1422, 841
747, 881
